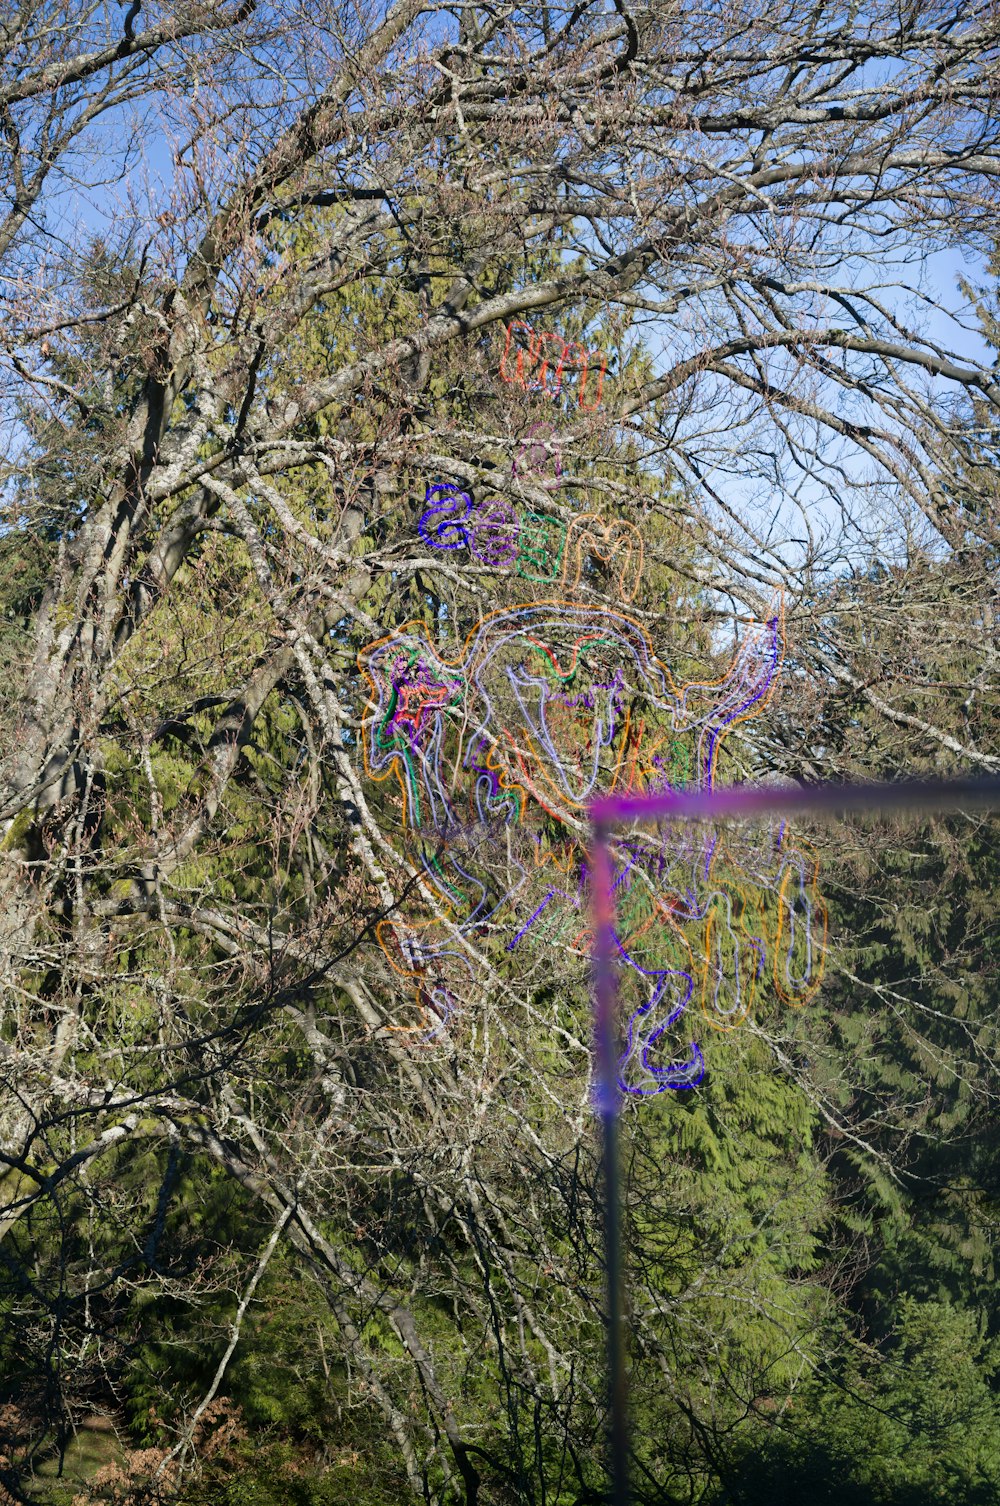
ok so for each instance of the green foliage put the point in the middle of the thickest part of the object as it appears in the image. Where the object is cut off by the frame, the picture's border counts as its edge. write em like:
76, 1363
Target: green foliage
264, 1470
915, 1425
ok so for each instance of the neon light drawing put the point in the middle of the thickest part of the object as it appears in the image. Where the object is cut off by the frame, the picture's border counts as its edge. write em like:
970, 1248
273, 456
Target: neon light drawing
524, 349
546, 707
442, 525
617, 541
497, 749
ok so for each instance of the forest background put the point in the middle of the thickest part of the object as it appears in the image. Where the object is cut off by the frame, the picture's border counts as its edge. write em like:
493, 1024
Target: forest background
264, 1235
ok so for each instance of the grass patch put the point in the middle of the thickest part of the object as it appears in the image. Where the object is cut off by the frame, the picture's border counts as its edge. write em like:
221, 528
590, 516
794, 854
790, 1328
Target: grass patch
86, 1453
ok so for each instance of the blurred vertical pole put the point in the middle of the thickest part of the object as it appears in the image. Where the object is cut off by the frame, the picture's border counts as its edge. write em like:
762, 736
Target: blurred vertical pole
606, 1082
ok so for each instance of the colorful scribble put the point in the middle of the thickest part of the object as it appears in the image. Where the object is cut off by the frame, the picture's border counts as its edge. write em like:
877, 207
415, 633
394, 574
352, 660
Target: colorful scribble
496, 754
541, 362
493, 753
537, 547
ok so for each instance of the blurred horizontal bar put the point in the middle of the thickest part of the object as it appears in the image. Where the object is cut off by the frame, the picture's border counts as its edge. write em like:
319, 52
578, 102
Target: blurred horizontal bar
753, 799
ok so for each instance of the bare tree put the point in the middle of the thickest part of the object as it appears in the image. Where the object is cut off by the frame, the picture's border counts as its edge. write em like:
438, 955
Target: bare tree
391, 243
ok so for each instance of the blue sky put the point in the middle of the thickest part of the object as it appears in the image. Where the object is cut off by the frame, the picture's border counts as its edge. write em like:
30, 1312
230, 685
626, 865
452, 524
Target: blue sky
942, 313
